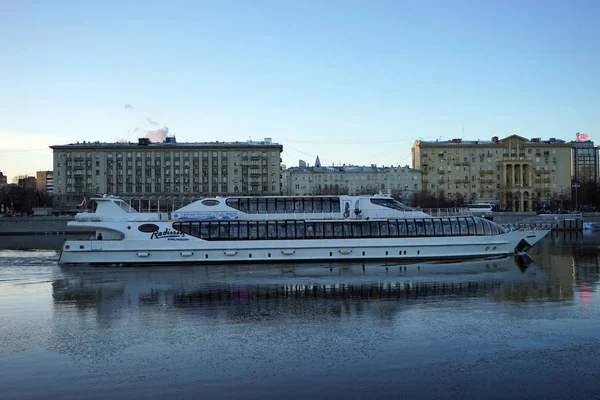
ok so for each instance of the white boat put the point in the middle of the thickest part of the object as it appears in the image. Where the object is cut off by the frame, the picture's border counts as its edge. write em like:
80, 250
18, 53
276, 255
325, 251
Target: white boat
283, 228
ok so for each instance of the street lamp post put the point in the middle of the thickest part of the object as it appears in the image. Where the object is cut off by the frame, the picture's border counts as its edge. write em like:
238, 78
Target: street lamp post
576, 187
561, 197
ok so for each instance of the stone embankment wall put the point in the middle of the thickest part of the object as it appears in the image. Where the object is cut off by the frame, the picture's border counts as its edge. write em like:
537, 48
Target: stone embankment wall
34, 225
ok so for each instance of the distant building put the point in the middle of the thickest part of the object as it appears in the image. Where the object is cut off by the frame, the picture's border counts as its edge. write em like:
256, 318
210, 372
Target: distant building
153, 170
514, 173
44, 181
3, 179
584, 161
403, 182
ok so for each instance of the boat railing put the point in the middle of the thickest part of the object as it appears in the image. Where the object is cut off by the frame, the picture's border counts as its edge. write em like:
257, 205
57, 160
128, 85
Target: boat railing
448, 212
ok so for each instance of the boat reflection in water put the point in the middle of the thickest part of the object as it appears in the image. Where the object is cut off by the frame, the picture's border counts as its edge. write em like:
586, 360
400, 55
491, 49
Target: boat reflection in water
509, 278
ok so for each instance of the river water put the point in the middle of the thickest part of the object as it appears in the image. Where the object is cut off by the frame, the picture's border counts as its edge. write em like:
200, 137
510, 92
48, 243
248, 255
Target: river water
501, 329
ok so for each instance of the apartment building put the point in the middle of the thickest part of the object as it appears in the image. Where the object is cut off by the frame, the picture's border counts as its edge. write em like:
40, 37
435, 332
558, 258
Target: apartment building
352, 180
584, 158
165, 169
44, 181
3, 179
514, 173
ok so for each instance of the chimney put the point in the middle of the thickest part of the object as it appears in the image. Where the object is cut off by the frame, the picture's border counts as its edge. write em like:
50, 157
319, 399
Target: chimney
495, 139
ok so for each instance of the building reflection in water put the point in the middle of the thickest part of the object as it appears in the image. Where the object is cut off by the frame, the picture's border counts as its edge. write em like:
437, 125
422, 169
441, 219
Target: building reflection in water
297, 290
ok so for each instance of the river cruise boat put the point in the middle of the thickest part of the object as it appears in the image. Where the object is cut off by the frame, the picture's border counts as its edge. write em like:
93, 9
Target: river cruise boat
285, 228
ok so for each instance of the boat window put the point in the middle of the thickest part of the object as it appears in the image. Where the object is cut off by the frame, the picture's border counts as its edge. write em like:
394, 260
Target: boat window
224, 230
289, 205
365, 229
337, 230
213, 230
195, 229
148, 228
455, 227
494, 228
347, 230
272, 230
318, 230
410, 228
402, 229
233, 203
328, 230
420, 224
479, 226
271, 207
243, 205
252, 206
262, 205
262, 230
463, 226
335, 204
393, 227
317, 205
234, 230
437, 227
204, 230
210, 202
356, 229
243, 230
375, 228
280, 229
487, 230
308, 206
300, 230
298, 205
290, 230
310, 230
383, 229
327, 205
390, 203
280, 205
446, 231
125, 207
471, 226
429, 228
252, 230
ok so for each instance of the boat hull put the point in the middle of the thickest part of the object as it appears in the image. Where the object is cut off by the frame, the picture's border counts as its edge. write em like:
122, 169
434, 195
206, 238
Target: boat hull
196, 251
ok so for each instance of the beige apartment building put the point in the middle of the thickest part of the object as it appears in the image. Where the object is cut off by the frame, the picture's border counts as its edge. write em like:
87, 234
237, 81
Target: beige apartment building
403, 182
44, 181
513, 173
169, 168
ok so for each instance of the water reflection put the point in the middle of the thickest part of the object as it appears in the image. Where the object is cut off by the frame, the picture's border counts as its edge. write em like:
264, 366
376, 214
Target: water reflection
510, 278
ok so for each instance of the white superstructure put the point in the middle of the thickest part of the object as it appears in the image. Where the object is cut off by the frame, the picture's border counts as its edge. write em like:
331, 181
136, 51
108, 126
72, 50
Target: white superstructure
281, 228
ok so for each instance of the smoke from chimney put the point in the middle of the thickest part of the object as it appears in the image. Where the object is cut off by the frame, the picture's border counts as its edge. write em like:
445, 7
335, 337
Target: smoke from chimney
158, 135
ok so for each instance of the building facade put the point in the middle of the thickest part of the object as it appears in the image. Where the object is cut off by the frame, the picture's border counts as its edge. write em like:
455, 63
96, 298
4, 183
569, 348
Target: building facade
165, 169
513, 173
3, 179
584, 161
44, 181
402, 182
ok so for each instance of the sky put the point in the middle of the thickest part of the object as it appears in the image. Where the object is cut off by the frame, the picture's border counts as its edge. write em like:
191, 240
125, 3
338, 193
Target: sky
354, 82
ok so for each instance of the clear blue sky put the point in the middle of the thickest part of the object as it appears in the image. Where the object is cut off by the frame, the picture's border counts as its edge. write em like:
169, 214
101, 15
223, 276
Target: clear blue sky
353, 81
